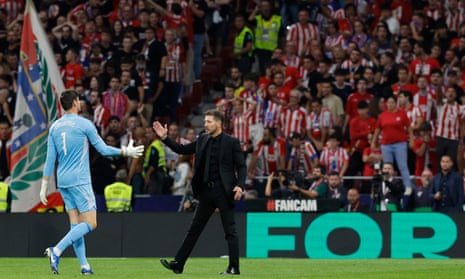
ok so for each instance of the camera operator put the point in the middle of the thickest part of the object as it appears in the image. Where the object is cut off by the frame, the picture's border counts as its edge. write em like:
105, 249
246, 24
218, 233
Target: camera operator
318, 184
387, 191
278, 186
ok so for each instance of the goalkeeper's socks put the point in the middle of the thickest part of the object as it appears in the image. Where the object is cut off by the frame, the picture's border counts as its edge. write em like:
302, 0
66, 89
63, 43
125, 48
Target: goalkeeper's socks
73, 235
80, 249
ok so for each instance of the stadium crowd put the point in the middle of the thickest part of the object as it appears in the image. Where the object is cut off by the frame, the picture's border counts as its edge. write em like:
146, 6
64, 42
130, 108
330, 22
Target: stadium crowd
350, 88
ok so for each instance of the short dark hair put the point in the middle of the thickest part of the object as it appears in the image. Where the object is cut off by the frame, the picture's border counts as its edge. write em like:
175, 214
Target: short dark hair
407, 94
217, 115
67, 98
113, 117
321, 167
333, 173
252, 77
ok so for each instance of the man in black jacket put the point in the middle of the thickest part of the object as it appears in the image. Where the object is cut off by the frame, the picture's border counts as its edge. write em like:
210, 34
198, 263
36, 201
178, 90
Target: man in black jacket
387, 191
215, 183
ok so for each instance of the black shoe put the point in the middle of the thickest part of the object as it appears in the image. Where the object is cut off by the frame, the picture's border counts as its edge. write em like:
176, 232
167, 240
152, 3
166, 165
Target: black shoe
231, 271
172, 265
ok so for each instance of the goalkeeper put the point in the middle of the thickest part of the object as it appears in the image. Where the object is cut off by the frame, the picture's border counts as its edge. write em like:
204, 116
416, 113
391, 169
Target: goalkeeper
68, 141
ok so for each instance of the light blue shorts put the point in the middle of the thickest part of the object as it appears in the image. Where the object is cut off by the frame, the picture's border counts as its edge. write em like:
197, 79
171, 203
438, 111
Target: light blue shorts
81, 198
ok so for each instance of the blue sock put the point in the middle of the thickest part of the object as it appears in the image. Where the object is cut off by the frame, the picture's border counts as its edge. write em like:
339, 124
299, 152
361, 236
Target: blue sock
76, 233
80, 249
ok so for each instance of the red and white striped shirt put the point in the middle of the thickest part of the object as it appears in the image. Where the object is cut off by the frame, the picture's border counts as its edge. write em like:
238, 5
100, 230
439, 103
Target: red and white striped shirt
448, 120
258, 98
413, 113
271, 115
333, 160
241, 128
426, 103
12, 9
454, 19
271, 154
293, 121
302, 35
337, 40
101, 117
293, 61
302, 157
118, 104
174, 63
317, 122
434, 13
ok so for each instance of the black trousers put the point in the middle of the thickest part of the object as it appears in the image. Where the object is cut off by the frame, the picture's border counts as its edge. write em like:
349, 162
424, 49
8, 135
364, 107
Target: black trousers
449, 147
210, 199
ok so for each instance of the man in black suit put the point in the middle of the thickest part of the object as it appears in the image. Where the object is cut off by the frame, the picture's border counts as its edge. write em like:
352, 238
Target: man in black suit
218, 181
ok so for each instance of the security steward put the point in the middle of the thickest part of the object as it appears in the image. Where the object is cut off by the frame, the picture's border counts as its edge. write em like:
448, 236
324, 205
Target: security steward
5, 198
155, 173
243, 46
119, 195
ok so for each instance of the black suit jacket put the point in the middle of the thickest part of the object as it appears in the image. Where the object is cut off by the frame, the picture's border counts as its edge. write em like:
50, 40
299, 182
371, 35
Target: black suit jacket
233, 170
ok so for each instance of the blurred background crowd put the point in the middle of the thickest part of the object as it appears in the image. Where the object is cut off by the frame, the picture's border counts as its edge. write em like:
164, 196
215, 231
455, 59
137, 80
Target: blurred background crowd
317, 91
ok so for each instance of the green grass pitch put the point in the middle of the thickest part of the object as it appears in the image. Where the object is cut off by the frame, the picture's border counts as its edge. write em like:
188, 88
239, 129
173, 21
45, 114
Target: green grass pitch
141, 268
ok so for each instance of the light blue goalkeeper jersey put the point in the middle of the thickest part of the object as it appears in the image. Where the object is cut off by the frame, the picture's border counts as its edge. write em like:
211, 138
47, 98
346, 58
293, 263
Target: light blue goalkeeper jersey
68, 139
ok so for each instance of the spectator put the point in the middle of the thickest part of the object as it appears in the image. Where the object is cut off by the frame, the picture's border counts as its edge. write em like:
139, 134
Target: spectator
199, 10
302, 156
269, 156
293, 117
171, 157
340, 87
182, 176
449, 115
74, 72
353, 202
302, 33
319, 124
353, 101
447, 188
359, 129
135, 174
4, 107
101, 115
424, 148
225, 105
395, 130
116, 101
387, 191
334, 157
423, 64
332, 102
420, 201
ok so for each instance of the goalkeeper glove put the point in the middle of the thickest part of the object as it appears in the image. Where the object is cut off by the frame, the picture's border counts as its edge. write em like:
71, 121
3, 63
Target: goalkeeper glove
132, 151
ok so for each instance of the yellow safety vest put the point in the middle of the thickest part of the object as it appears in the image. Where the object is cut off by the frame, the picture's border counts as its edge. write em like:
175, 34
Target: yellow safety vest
161, 155
3, 197
267, 32
239, 41
118, 197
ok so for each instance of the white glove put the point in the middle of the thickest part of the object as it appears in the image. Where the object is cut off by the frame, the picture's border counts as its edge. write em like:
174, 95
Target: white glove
132, 151
43, 191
